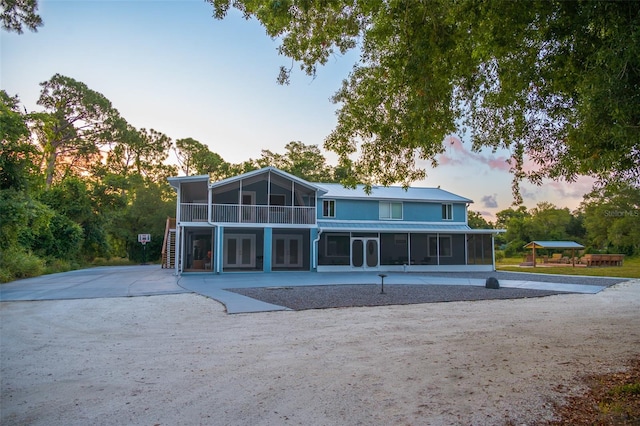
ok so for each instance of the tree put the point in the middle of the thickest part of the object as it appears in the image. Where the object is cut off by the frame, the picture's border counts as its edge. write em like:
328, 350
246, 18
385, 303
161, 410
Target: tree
77, 122
554, 82
517, 223
549, 222
140, 152
612, 218
476, 221
148, 206
73, 200
303, 161
17, 154
194, 156
18, 13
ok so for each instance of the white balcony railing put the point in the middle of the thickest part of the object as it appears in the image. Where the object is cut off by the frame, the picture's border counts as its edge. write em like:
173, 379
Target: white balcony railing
234, 213
193, 212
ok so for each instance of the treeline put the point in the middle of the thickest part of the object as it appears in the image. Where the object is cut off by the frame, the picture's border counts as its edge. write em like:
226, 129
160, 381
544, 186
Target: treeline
78, 183
607, 221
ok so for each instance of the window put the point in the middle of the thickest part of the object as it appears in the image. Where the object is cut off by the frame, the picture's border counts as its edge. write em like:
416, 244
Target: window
447, 212
390, 210
328, 208
277, 199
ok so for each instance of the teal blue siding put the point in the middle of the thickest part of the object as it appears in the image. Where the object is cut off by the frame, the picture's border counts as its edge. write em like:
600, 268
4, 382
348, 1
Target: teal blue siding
411, 211
354, 210
459, 213
268, 235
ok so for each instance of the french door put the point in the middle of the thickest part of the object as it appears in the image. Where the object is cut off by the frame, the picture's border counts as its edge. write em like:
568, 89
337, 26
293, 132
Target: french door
239, 251
287, 251
365, 253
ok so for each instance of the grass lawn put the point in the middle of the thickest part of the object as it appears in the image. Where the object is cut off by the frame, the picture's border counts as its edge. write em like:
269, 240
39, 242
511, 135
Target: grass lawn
629, 269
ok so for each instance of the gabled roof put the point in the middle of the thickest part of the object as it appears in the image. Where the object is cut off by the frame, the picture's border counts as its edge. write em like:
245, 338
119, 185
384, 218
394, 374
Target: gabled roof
336, 190
174, 181
267, 170
554, 245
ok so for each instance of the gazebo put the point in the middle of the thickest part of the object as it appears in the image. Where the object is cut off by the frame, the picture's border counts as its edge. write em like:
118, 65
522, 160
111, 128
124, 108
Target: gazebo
533, 245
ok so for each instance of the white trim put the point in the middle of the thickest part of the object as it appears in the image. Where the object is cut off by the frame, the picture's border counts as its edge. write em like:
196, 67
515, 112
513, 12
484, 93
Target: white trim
390, 205
449, 207
394, 222
267, 169
239, 238
365, 241
329, 200
411, 268
287, 255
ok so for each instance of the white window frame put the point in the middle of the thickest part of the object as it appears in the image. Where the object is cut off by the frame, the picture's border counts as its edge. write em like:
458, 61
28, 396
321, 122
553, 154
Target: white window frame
385, 210
447, 211
329, 203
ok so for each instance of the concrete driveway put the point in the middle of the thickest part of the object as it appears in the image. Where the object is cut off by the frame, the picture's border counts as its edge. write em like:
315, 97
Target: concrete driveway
150, 280
95, 283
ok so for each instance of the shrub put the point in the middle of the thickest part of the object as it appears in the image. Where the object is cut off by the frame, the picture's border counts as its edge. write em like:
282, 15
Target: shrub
16, 264
514, 248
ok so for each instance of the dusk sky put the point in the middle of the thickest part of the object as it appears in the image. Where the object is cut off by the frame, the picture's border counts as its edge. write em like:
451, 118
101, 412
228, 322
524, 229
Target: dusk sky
170, 66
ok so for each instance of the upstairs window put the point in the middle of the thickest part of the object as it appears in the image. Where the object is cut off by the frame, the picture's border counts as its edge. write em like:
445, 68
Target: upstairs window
329, 208
447, 212
389, 210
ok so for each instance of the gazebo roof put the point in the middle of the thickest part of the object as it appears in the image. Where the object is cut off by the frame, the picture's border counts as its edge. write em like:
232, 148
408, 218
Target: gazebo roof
554, 245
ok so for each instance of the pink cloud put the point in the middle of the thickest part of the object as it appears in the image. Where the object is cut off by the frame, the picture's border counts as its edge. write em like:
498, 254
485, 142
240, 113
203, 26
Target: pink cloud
574, 190
456, 153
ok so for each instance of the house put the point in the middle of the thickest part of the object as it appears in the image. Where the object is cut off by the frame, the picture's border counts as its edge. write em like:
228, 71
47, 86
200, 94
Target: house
269, 220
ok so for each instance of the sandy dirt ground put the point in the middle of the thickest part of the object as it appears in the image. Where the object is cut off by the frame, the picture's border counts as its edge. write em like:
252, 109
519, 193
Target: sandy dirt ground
181, 360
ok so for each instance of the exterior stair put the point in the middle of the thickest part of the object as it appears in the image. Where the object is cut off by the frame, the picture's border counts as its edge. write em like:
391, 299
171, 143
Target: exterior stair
169, 244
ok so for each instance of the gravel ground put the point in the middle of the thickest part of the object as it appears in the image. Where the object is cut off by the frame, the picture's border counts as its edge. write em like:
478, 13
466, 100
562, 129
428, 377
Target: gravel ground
548, 278
340, 296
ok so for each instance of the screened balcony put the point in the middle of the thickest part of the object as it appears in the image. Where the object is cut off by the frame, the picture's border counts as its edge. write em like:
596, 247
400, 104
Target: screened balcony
265, 197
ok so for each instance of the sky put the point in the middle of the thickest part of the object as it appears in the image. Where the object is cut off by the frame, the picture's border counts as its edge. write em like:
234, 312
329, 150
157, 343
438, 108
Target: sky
170, 66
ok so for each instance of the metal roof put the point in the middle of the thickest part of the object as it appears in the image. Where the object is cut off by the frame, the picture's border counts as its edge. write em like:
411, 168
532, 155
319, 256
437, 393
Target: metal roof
387, 226
554, 245
337, 190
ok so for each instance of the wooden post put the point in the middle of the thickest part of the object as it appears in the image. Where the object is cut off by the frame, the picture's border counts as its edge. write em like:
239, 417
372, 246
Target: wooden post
534, 255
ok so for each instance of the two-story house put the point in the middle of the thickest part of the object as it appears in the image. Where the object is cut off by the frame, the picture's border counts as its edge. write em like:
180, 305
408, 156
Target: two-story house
269, 220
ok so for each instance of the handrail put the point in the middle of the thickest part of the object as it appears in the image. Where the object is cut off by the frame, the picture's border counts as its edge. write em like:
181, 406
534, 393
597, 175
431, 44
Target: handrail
236, 213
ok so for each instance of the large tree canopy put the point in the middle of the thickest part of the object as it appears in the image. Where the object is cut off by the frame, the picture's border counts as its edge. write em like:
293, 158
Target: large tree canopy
556, 83
17, 14
77, 122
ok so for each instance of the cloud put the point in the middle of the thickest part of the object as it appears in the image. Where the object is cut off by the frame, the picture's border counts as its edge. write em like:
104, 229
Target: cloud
490, 201
573, 190
528, 194
456, 154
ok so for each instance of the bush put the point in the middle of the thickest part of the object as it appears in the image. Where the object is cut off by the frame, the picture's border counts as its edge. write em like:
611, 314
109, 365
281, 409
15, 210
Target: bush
113, 261
16, 264
514, 248
54, 265
499, 255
